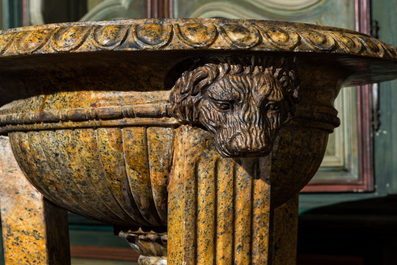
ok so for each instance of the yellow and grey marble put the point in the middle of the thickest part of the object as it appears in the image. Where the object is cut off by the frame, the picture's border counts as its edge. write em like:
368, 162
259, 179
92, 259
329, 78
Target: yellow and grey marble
89, 112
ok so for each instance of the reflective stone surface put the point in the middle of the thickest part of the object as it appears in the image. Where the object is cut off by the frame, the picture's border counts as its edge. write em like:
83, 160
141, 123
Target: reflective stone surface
207, 128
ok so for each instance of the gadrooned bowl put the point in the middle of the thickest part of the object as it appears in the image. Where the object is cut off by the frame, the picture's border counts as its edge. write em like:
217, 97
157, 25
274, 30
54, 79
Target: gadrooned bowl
88, 108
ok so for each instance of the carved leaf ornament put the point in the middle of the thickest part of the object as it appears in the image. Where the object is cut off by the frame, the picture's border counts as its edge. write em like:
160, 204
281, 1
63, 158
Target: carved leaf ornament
189, 34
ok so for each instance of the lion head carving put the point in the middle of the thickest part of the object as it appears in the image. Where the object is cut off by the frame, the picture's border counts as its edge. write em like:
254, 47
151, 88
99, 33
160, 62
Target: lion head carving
242, 104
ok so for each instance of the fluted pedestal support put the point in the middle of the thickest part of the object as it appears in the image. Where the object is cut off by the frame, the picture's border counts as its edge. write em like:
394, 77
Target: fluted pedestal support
219, 208
35, 231
284, 233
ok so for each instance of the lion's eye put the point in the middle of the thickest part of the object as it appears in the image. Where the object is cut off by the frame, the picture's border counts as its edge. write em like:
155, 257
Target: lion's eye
272, 106
223, 105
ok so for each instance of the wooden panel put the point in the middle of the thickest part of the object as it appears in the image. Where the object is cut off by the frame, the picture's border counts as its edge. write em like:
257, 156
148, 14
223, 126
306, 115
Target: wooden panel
385, 139
365, 177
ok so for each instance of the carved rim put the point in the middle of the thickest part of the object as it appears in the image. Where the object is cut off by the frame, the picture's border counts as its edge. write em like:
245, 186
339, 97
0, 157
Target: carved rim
189, 34
156, 114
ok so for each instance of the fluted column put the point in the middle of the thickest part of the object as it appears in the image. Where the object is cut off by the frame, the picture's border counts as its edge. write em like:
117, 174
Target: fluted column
35, 231
219, 208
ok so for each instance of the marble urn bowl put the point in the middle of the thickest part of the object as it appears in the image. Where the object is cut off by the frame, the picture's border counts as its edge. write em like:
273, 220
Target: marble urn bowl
198, 127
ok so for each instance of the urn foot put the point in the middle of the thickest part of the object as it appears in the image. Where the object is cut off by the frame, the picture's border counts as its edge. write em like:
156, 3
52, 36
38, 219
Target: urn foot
151, 245
150, 260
